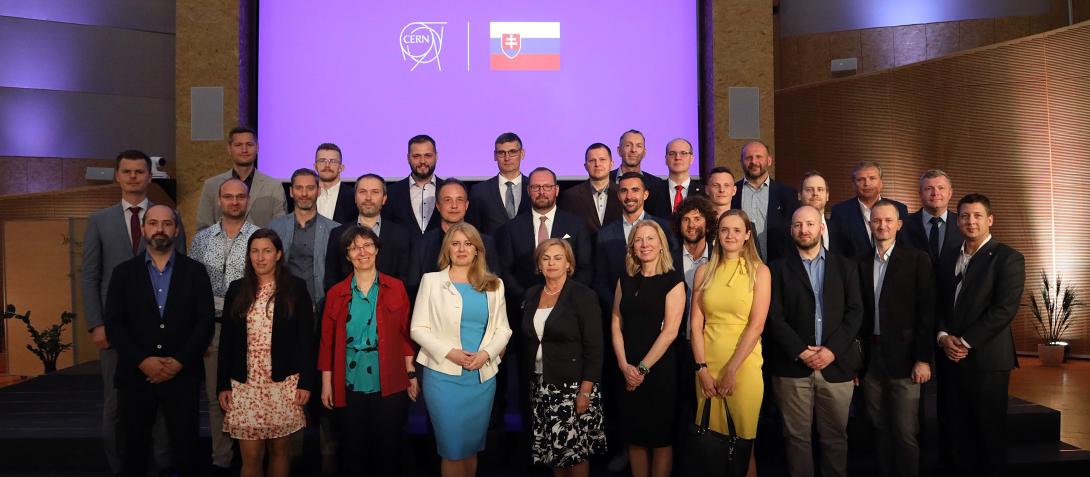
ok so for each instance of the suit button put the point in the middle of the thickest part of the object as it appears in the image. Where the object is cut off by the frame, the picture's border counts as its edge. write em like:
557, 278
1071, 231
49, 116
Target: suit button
161, 326
158, 346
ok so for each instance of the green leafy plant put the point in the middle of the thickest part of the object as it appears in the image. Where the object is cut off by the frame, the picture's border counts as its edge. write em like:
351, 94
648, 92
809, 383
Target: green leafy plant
1052, 308
47, 344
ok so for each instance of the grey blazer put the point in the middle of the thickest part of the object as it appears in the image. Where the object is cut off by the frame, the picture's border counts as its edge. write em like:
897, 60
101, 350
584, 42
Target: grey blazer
284, 226
267, 200
107, 243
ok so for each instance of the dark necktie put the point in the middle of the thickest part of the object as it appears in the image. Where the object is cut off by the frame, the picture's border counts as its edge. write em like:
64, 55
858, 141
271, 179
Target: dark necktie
933, 239
510, 198
677, 196
134, 228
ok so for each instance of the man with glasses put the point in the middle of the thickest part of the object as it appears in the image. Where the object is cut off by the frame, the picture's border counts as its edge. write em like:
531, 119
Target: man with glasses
335, 198
499, 199
679, 185
414, 196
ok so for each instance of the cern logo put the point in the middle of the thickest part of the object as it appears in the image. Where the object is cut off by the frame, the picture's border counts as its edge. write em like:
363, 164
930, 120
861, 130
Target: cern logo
421, 43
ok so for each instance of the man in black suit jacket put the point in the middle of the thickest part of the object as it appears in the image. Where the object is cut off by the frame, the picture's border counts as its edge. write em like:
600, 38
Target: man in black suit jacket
414, 196
395, 241
935, 192
158, 317
853, 215
768, 203
500, 198
596, 199
336, 198
979, 294
814, 191
679, 185
899, 306
632, 148
810, 347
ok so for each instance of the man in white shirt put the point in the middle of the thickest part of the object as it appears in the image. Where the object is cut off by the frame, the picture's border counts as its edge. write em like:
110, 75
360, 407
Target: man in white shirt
500, 198
334, 196
814, 191
595, 200
413, 203
679, 184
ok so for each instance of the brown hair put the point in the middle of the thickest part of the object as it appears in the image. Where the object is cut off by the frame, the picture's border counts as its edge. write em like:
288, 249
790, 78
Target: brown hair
479, 277
568, 254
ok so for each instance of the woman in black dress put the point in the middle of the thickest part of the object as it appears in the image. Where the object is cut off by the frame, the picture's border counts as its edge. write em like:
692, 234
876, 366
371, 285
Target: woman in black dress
650, 300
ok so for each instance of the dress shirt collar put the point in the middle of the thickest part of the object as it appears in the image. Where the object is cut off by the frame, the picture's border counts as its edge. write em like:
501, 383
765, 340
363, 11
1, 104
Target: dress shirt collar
643, 215
151, 263
967, 256
333, 187
143, 205
503, 181
706, 254
884, 256
550, 215
927, 217
672, 186
431, 182
757, 187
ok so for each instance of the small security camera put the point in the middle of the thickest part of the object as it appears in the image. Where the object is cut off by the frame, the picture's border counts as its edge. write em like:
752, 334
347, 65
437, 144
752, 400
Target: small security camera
158, 164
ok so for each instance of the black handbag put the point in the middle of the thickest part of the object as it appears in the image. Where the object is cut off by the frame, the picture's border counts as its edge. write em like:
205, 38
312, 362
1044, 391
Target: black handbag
706, 453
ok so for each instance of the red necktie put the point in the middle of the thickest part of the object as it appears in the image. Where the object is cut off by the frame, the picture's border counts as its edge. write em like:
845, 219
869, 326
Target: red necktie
677, 196
134, 228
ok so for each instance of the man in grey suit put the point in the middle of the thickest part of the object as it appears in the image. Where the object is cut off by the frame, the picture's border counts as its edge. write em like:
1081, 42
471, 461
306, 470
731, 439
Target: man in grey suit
113, 236
266, 194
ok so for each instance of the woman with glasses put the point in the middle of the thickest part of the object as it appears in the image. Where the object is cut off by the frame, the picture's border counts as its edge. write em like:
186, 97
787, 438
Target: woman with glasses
460, 323
366, 359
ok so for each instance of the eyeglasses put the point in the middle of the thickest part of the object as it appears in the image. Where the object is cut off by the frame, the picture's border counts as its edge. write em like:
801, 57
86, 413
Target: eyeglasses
367, 247
508, 153
678, 154
542, 188
323, 161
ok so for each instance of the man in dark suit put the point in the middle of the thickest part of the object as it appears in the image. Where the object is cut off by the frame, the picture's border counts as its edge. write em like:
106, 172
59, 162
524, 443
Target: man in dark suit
159, 319
114, 235
768, 203
898, 318
853, 215
680, 184
596, 199
979, 294
414, 196
336, 199
452, 202
814, 191
395, 241
810, 348
935, 192
500, 198
632, 148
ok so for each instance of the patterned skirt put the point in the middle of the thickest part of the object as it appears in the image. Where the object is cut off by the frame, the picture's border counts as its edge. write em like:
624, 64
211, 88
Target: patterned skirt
563, 438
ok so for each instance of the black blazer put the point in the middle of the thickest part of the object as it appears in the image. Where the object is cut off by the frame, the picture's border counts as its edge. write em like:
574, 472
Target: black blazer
345, 211
395, 248
486, 210
853, 230
609, 253
292, 339
835, 236
915, 235
663, 205
782, 203
579, 200
907, 309
790, 325
399, 207
991, 292
136, 331
572, 347
516, 243
425, 258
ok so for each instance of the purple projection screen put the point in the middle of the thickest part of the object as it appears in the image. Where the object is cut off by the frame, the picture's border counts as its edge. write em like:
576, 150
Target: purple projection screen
562, 75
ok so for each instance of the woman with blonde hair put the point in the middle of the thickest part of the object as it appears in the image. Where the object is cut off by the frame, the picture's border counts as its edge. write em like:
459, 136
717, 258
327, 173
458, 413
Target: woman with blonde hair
460, 323
731, 295
650, 299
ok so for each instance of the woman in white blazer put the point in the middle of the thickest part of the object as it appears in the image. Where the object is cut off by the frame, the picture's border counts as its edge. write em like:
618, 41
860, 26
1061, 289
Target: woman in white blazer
460, 323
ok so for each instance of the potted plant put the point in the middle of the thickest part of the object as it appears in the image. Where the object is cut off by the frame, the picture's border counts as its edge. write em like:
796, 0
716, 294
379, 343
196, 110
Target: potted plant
1052, 309
47, 344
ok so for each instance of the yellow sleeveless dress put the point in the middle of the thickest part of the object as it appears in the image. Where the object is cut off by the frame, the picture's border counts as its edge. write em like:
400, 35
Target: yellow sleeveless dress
726, 305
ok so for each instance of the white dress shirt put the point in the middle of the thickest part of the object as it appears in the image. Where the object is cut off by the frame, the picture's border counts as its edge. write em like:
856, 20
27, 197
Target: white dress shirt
601, 198
627, 226
672, 187
881, 263
125, 206
422, 200
549, 216
959, 269
516, 189
327, 199
866, 217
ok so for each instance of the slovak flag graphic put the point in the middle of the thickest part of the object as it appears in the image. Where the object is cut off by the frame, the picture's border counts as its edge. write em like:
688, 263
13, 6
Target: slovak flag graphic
524, 46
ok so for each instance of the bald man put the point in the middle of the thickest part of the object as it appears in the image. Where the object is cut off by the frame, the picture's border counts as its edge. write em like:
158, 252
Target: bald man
768, 203
679, 185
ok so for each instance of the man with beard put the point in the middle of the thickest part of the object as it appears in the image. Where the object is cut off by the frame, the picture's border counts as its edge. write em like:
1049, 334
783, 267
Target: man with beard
768, 203
810, 351
679, 185
414, 196
595, 200
335, 198
853, 215
159, 342
814, 191
222, 249
395, 241
114, 235
501, 198
720, 188
266, 194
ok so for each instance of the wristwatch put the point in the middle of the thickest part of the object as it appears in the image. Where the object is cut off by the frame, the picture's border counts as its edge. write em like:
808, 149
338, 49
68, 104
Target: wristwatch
700, 366
642, 368
412, 374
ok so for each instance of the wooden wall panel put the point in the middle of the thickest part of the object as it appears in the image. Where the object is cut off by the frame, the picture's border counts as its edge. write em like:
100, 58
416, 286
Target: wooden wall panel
1011, 121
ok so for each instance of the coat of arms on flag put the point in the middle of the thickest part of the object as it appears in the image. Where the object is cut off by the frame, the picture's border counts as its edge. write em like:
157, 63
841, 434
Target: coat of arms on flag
526, 46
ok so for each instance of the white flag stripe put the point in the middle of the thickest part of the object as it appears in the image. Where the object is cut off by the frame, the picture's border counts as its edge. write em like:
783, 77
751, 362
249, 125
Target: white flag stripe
526, 29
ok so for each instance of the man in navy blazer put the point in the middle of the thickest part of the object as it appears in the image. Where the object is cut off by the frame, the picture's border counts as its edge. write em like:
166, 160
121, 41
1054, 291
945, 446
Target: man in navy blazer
935, 192
852, 217
336, 198
814, 191
595, 200
500, 198
158, 317
632, 148
395, 241
414, 196
679, 185
768, 203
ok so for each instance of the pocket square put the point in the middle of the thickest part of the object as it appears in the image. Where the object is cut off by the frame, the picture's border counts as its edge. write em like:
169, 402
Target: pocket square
566, 236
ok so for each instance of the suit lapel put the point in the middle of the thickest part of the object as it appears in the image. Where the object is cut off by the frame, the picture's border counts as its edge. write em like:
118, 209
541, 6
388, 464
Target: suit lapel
795, 265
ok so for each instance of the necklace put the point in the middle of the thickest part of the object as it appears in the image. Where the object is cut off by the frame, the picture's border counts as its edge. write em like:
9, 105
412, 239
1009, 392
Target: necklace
550, 293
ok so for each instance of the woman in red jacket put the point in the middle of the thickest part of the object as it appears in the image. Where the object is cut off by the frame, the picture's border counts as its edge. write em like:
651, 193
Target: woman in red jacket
366, 359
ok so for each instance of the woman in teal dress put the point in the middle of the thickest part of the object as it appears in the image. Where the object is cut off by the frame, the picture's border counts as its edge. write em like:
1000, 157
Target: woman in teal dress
460, 323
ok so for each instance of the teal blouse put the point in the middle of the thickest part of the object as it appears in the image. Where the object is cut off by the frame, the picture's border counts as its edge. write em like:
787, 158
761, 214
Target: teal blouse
361, 342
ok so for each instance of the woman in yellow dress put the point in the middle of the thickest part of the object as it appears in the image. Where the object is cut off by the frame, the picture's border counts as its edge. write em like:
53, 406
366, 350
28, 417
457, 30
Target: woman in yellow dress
731, 294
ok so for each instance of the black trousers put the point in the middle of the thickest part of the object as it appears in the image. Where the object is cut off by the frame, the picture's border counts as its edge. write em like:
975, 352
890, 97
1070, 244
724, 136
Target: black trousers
372, 427
138, 406
973, 417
